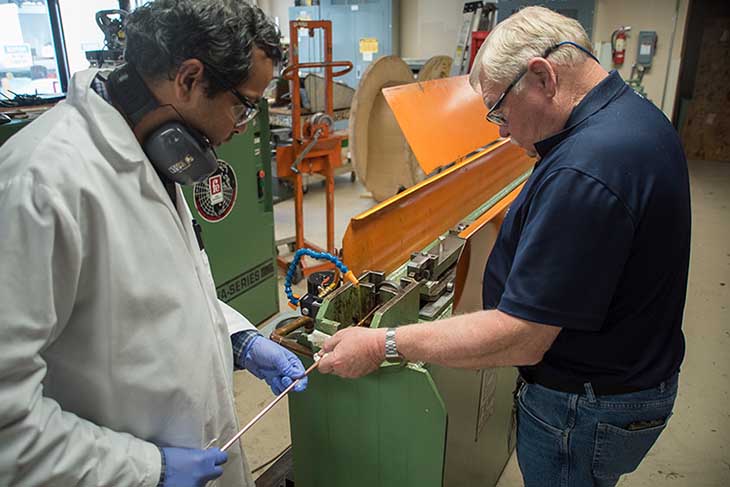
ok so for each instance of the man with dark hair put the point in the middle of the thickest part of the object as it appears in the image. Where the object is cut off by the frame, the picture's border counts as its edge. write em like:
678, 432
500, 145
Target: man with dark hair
116, 357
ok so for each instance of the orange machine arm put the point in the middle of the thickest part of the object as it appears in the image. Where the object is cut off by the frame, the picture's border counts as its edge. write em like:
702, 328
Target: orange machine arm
383, 237
442, 119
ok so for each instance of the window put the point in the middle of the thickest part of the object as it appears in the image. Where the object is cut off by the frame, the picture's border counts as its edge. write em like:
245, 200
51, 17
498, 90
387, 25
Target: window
80, 30
27, 53
29, 62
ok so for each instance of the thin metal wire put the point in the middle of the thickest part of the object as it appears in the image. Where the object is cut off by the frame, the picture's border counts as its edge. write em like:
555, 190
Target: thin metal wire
270, 405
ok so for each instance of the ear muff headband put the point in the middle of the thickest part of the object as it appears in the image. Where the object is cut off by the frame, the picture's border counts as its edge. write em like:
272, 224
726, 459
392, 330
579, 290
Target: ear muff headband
129, 91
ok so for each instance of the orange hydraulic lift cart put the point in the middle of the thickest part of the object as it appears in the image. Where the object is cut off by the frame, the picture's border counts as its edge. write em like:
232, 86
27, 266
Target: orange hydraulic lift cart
315, 147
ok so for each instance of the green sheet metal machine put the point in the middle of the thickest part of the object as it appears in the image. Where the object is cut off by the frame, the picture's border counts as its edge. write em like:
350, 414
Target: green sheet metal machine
406, 425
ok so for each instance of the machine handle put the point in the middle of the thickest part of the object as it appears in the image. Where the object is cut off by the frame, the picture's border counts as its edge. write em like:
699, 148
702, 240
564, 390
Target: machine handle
295, 167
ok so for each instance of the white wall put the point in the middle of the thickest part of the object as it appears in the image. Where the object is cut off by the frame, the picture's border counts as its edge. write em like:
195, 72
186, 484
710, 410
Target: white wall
429, 27
656, 15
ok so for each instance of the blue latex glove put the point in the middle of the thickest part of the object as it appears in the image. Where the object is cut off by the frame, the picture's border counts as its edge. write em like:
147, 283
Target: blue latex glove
189, 467
274, 364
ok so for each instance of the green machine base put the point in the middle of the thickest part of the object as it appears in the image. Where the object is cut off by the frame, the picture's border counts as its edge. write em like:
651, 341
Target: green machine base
412, 425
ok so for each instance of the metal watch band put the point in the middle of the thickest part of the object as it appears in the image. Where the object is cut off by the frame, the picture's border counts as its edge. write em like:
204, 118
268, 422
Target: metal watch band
391, 350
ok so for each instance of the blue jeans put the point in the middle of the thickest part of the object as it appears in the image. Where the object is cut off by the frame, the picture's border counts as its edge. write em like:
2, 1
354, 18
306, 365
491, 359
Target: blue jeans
584, 440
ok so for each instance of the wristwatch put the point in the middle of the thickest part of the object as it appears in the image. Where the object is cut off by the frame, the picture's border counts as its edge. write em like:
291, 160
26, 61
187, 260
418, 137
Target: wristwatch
391, 349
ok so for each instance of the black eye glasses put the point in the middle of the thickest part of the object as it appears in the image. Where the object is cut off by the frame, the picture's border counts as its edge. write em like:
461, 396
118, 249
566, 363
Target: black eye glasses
498, 118
242, 113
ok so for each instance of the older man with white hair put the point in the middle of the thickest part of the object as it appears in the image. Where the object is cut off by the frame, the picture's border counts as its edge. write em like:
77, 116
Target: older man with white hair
585, 288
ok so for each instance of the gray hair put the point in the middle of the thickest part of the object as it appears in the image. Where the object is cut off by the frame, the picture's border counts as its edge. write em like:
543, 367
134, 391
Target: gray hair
523, 36
221, 33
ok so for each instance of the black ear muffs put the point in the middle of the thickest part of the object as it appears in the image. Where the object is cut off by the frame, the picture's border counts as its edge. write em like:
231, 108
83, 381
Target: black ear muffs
181, 153
178, 152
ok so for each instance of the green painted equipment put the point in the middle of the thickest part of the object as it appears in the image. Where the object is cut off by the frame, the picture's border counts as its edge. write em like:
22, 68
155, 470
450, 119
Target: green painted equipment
234, 209
9, 129
406, 425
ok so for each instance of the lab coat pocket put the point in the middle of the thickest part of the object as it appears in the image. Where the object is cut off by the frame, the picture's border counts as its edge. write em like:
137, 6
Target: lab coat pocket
619, 450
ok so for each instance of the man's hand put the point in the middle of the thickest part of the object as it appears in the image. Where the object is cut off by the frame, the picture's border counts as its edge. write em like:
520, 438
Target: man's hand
274, 364
353, 352
189, 467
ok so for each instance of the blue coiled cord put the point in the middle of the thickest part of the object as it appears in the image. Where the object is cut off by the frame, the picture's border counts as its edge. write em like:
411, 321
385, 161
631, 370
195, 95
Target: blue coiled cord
293, 267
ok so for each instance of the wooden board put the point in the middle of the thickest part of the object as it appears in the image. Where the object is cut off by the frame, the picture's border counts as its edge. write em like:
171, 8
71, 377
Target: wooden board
380, 153
435, 68
314, 86
708, 120
281, 116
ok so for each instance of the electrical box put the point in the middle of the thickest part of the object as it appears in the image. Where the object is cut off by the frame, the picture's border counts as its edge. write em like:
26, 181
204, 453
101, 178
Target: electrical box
647, 48
362, 31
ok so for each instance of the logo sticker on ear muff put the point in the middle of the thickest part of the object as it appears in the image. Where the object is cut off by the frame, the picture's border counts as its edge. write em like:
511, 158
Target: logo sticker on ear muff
215, 197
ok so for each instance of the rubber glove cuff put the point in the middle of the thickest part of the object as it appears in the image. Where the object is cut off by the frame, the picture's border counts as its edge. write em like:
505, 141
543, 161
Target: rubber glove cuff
190, 467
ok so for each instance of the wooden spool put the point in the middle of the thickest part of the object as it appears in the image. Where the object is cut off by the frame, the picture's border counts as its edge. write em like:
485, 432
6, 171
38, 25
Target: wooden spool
435, 68
380, 154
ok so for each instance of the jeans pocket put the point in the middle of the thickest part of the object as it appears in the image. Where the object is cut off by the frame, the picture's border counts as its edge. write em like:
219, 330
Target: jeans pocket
619, 451
532, 413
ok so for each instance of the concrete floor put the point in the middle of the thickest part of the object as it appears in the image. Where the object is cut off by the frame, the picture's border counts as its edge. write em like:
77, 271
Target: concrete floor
695, 448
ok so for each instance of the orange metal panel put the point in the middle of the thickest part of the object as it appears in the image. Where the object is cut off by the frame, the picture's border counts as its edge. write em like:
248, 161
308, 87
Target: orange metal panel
325, 152
495, 213
442, 119
480, 236
383, 237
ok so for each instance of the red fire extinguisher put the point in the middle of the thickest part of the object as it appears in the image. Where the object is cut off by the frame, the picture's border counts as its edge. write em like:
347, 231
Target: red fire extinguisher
618, 44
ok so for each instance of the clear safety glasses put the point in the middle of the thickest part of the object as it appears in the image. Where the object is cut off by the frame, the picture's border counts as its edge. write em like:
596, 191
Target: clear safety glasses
242, 113
497, 117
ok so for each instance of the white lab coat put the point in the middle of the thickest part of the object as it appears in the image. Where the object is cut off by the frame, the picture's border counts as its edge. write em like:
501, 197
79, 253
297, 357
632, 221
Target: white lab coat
112, 339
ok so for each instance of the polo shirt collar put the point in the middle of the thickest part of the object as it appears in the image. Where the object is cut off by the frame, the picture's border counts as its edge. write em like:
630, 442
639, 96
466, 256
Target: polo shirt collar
600, 96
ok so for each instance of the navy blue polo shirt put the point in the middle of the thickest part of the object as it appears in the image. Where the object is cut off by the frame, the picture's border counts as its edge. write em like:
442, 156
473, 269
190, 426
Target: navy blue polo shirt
598, 243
